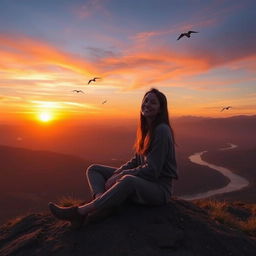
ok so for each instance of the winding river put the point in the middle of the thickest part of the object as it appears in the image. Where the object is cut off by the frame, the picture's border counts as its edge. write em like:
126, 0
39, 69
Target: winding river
236, 182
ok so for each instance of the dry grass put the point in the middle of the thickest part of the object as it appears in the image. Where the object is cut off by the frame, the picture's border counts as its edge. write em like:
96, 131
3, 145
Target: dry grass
12, 222
249, 226
15, 220
219, 211
67, 201
64, 201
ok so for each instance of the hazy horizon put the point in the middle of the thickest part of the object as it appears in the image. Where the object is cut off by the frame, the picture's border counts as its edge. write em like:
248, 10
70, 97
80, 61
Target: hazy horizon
107, 140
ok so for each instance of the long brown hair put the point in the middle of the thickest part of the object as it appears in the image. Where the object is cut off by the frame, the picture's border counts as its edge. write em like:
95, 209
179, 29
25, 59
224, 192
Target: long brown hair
144, 132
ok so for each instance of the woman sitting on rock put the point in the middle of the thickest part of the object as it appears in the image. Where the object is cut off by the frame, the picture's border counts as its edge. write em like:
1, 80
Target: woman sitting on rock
145, 179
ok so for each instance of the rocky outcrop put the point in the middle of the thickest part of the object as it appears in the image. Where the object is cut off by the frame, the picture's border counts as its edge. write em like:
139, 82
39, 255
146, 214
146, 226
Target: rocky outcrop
179, 228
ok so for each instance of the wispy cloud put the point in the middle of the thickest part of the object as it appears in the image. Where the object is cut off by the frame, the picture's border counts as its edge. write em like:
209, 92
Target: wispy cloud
91, 7
30, 62
210, 16
174, 30
158, 66
101, 53
25, 55
9, 99
61, 105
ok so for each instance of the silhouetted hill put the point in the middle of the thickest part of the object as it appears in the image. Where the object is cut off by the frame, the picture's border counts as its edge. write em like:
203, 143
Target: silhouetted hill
179, 228
29, 179
39, 171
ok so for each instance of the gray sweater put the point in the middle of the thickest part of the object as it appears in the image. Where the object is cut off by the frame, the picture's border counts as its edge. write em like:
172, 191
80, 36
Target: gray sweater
159, 165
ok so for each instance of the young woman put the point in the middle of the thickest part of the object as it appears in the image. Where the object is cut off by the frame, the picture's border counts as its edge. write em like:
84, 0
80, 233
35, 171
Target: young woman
145, 179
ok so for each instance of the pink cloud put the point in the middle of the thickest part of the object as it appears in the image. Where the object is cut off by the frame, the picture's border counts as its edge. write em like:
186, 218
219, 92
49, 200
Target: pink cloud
155, 67
23, 54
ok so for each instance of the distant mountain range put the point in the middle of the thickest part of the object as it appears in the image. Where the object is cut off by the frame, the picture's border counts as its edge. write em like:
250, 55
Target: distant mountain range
239, 129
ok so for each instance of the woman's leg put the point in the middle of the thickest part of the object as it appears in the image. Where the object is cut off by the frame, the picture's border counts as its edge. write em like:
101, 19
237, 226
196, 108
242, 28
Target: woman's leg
136, 188
97, 175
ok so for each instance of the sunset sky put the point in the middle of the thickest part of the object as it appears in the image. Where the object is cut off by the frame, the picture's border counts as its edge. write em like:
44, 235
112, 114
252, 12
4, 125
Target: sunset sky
49, 48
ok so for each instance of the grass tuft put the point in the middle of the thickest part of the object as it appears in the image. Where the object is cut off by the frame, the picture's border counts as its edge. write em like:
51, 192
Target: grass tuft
67, 201
219, 211
249, 226
12, 222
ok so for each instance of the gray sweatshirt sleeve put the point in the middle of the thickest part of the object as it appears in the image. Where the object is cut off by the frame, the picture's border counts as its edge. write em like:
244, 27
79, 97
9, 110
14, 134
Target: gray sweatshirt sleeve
129, 165
155, 159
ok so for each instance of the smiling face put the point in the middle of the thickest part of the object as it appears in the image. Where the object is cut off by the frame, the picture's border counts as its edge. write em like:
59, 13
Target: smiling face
150, 106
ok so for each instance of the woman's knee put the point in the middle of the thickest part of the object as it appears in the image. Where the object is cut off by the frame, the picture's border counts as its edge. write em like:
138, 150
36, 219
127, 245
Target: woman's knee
90, 169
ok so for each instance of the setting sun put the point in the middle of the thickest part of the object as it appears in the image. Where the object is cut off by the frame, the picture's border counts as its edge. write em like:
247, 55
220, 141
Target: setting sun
45, 117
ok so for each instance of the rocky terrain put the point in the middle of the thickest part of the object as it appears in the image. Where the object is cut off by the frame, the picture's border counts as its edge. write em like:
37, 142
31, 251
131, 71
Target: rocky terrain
180, 228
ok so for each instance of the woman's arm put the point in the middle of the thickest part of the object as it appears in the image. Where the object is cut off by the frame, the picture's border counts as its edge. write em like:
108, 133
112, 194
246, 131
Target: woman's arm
112, 180
134, 162
155, 159
118, 173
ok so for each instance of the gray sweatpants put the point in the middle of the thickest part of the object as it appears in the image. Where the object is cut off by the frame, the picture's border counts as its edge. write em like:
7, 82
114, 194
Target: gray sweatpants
135, 188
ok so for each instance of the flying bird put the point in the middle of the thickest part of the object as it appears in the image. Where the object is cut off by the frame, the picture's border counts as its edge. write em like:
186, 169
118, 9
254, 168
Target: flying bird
77, 91
93, 80
186, 34
104, 101
227, 108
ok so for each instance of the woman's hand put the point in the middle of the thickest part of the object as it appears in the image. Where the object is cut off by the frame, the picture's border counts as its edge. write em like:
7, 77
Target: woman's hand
112, 180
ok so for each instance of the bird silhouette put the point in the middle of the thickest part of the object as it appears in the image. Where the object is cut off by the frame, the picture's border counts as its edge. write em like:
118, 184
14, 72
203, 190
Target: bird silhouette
104, 101
186, 34
227, 108
93, 80
77, 91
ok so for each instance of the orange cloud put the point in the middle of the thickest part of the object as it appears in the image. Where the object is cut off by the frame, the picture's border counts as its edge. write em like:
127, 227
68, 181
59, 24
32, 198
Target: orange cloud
19, 53
148, 65
158, 66
35, 62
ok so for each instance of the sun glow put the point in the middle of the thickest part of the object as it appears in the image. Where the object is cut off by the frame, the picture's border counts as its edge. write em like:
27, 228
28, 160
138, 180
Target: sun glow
45, 117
